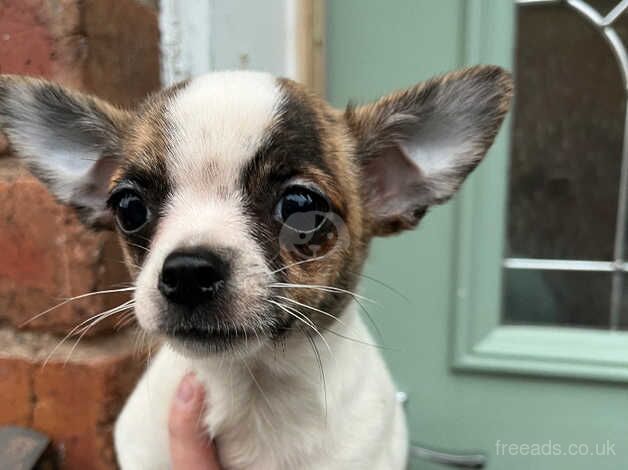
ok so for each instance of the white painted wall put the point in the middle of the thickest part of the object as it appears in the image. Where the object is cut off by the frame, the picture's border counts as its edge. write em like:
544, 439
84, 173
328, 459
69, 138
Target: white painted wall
203, 35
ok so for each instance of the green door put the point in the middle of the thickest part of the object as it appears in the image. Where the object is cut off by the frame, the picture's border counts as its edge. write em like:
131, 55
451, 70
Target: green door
503, 348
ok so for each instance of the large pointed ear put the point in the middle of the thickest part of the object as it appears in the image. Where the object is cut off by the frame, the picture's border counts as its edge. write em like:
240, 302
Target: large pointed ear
418, 145
70, 141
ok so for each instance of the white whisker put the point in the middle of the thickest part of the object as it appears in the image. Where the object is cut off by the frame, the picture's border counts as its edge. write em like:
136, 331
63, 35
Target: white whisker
299, 316
370, 318
73, 330
322, 289
139, 246
124, 320
78, 297
86, 328
285, 308
127, 305
309, 307
355, 340
320, 367
384, 284
284, 268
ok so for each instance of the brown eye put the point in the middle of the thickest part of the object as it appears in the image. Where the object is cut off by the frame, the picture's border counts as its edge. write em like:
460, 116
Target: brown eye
131, 212
302, 209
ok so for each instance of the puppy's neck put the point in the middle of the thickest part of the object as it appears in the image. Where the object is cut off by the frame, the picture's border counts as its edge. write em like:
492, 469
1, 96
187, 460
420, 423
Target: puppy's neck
314, 369
290, 355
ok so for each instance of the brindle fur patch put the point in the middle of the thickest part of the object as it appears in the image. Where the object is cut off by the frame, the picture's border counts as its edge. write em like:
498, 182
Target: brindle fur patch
310, 141
145, 147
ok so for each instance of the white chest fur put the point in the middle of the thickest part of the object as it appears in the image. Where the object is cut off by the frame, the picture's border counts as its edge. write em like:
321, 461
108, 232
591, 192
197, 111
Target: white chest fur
278, 412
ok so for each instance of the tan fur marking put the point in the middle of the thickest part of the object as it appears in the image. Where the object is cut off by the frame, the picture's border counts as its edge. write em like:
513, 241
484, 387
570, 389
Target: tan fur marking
338, 267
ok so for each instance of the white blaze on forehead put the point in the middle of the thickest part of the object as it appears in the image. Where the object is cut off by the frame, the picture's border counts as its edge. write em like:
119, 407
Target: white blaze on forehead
216, 125
219, 121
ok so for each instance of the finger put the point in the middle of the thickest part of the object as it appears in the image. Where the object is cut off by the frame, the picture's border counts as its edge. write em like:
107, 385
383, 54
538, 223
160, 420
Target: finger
190, 447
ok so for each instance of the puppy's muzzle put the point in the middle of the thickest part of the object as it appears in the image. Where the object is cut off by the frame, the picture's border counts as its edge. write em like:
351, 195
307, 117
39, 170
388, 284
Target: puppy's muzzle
193, 278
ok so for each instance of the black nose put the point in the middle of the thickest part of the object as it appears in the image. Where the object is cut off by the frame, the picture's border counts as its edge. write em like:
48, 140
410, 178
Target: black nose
191, 278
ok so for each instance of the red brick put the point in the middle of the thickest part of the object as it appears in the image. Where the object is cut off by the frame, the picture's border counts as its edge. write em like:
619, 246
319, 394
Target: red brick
48, 256
16, 391
74, 403
109, 48
118, 26
26, 46
106, 47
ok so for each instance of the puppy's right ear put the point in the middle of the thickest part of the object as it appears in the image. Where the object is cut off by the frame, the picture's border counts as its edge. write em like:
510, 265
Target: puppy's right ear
417, 146
69, 140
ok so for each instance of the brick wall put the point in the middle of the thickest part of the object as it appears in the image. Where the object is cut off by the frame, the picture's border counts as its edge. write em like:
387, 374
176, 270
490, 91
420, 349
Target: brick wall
109, 48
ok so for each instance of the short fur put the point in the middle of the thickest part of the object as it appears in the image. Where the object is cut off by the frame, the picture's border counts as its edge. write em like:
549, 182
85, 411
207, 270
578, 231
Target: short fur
287, 362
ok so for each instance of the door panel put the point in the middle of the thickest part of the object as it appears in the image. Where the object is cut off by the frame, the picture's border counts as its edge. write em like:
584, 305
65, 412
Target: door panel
490, 398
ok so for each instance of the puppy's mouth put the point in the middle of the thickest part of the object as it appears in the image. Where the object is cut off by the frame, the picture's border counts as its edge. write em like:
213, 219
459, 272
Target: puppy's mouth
207, 339
207, 334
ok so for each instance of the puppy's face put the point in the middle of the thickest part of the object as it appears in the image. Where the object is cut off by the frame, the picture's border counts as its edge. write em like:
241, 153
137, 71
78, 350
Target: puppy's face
229, 198
244, 204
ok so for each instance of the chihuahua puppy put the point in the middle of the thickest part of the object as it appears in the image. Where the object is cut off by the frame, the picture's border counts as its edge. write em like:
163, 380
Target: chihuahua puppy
245, 207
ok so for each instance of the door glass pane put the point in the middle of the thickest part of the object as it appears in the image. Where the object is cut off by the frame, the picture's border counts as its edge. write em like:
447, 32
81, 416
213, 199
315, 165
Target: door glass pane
566, 151
569, 298
623, 316
567, 136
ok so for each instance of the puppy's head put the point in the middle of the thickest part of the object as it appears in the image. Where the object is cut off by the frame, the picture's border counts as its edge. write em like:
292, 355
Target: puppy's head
244, 204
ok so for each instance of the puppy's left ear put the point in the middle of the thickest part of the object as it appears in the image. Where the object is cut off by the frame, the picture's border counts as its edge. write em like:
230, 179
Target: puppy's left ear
69, 140
418, 145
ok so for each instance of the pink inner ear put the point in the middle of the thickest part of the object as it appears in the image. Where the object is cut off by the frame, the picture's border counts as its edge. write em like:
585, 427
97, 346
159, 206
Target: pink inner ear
91, 192
395, 185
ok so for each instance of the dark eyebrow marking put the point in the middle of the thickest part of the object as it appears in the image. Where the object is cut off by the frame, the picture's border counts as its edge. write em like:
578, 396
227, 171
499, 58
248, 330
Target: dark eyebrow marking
150, 177
294, 142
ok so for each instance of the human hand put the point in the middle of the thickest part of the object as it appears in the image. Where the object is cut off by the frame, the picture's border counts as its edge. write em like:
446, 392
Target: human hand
190, 447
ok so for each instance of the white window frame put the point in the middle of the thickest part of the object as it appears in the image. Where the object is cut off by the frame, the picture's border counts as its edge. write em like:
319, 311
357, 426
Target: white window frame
198, 36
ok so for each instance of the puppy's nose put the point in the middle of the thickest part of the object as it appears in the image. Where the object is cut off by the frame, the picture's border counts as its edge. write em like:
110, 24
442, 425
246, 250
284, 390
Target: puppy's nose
191, 278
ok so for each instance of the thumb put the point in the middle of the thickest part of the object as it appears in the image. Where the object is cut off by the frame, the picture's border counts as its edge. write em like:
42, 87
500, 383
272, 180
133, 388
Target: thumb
190, 447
